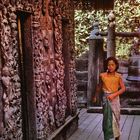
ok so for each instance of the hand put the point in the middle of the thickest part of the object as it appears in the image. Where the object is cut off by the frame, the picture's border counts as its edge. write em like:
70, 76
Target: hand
94, 99
110, 97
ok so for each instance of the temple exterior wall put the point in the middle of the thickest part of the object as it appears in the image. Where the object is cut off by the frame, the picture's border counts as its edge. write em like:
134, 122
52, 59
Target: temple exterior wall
37, 80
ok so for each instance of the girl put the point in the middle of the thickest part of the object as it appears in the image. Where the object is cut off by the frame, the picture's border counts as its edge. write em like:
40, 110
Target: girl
112, 85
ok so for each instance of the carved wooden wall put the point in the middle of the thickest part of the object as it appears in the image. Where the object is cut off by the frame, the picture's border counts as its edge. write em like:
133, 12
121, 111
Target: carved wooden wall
53, 102
10, 93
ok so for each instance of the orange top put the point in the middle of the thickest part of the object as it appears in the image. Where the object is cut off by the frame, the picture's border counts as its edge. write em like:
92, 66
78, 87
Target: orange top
110, 83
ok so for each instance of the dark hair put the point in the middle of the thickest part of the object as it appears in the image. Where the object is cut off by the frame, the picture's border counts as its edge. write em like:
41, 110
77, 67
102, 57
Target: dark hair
114, 60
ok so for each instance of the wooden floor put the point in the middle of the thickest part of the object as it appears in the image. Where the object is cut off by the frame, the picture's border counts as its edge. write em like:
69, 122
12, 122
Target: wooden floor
90, 127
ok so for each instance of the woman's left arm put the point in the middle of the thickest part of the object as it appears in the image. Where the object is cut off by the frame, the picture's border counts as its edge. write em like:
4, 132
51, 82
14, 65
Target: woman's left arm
122, 87
120, 91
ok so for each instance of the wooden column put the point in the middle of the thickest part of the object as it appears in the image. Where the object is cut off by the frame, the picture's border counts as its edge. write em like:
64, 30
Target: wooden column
95, 63
66, 58
95, 67
92, 79
1, 89
111, 47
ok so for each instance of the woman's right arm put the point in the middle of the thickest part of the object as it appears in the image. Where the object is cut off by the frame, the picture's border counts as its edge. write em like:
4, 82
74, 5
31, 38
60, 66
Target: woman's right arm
98, 90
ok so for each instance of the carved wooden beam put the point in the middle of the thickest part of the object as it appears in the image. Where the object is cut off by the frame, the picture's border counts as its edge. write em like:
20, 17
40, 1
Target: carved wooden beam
127, 34
121, 34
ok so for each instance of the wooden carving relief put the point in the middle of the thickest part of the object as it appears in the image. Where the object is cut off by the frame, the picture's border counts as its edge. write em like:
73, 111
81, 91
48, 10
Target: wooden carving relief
51, 100
42, 78
59, 65
48, 75
49, 70
11, 125
10, 76
68, 15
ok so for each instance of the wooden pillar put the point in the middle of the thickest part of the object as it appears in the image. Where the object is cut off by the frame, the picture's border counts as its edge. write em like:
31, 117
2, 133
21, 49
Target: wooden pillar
95, 64
111, 47
1, 90
66, 58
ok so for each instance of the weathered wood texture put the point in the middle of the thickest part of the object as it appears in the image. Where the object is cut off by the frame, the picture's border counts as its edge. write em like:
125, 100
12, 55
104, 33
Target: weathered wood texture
90, 127
121, 34
127, 34
59, 100
95, 67
1, 90
111, 47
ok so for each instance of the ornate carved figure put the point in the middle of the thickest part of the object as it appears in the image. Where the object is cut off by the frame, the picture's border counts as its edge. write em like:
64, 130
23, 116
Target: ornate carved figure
111, 19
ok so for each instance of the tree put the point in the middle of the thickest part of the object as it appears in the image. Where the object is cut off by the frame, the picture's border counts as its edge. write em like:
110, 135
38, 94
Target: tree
127, 20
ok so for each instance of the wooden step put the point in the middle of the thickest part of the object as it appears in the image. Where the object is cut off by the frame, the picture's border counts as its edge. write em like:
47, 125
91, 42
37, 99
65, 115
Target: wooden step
81, 64
134, 102
123, 67
130, 102
82, 75
82, 85
82, 96
132, 86
82, 93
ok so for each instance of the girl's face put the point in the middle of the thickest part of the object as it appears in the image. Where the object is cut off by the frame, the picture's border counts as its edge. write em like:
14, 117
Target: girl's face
111, 66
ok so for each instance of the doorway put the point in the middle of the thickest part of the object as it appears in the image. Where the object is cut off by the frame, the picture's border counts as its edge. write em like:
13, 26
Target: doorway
26, 75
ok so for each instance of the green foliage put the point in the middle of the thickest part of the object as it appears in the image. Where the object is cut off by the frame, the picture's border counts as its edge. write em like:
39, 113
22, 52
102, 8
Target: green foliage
127, 20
